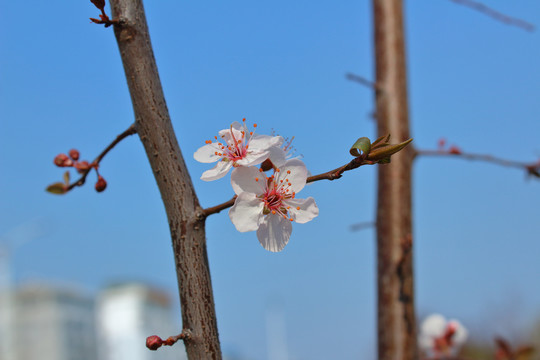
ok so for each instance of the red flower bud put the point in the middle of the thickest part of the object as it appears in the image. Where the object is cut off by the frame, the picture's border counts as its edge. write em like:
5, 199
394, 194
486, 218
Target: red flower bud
153, 342
82, 166
101, 184
454, 150
74, 154
62, 160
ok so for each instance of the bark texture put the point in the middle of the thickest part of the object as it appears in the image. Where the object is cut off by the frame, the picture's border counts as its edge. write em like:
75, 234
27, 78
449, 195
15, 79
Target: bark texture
185, 217
396, 316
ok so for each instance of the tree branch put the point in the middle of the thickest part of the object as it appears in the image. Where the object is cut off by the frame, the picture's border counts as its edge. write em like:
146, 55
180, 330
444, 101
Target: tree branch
496, 15
532, 168
186, 225
363, 81
128, 132
329, 175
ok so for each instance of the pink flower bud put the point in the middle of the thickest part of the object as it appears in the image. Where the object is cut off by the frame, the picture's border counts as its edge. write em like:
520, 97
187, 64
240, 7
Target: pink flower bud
74, 154
62, 160
101, 184
442, 142
153, 342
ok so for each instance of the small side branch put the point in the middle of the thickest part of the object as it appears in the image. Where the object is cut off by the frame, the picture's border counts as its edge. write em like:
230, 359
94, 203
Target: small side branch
532, 169
218, 208
363, 81
508, 20
128, 132
362, 226
154, 342
330, 175
103, 17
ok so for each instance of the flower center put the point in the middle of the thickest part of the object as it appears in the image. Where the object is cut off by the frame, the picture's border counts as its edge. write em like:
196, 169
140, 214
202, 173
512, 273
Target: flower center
237, 144
276, 190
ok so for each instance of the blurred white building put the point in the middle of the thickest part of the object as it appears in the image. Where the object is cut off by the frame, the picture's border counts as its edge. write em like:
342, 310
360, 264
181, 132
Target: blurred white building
127, 313
52, 324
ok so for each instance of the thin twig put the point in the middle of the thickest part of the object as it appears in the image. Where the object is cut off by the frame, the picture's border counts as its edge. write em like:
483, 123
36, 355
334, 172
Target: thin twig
496, 15
218, 208
129, 131
362, 226
531, 168
154, 342
329, 175
107, 22
362, 80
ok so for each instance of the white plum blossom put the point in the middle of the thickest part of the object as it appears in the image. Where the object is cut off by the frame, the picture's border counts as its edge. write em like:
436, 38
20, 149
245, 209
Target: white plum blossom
236, 147
269, 204
440, 338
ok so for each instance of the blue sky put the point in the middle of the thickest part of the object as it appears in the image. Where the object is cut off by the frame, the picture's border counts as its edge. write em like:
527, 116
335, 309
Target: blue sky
281, 65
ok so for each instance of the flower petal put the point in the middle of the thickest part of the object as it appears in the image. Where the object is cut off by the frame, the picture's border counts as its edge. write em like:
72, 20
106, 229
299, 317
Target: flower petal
296, 172
207, 153
259, 149
302, 210
246, 211
460, 337
253, 158
274, 232
217, 172
434, 325
227, 134
277, 156
243, 179
264, 142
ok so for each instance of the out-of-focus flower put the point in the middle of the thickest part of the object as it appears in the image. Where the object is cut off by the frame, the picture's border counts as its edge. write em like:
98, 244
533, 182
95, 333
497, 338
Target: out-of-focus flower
235, 147
439, 338
269, 204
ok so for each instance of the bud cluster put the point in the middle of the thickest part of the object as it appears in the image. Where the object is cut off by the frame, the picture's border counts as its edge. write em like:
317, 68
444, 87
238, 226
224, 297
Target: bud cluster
72, 159
453, 149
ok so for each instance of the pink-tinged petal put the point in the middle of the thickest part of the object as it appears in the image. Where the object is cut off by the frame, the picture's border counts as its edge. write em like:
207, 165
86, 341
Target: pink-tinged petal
226, 135
258, 150
246, 211
277, 156
253, 158
217, 172
243, 179
434, 326
297, 176
237, 126
461, 334
274, 232
302, 210
207, 153
264, 142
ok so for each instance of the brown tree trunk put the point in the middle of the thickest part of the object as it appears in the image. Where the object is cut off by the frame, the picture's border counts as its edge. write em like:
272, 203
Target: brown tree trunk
395, 315
184, 214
